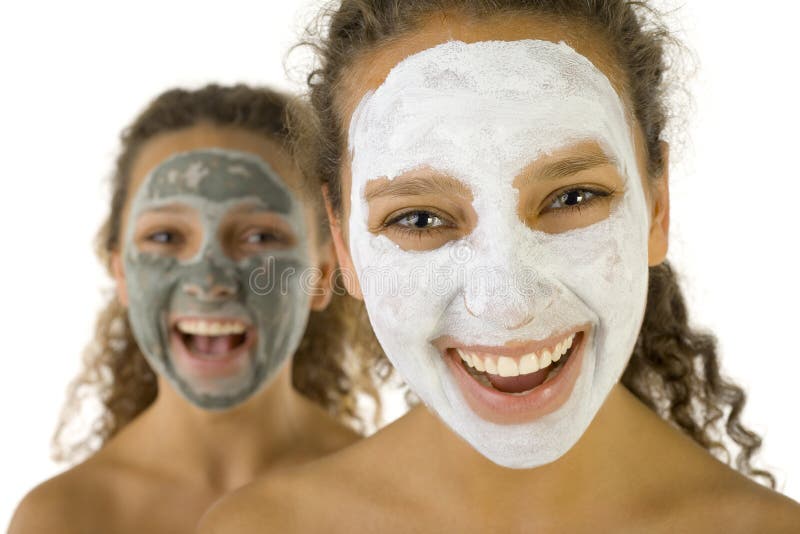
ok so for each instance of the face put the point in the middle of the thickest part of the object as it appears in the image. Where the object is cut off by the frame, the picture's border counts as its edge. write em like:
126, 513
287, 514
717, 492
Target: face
498, 226
215, 247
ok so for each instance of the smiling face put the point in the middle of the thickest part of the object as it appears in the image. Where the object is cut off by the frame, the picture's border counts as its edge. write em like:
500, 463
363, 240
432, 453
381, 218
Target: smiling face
215, 243
498, 226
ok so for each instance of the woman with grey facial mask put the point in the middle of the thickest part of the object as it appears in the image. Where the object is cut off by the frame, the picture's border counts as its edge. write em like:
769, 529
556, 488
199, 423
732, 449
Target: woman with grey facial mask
498, 193
223, 269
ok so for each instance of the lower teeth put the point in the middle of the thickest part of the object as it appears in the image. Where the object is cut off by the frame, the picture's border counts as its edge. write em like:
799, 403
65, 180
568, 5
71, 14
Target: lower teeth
554, 371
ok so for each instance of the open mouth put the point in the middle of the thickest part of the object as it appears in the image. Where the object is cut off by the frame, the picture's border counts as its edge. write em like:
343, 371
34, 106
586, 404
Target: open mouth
213, 339
521, 381
518, 374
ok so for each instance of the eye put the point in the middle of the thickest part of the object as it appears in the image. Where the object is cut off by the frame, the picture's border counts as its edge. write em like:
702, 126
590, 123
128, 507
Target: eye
575, 199
164, 237
257, 238
418, 220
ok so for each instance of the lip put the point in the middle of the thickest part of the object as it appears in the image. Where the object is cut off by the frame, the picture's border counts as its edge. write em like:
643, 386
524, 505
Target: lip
229, 364
507, 408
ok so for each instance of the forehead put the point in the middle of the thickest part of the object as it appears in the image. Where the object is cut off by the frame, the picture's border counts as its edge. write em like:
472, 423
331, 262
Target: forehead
201, 136
510, 98
217, 175
370, 69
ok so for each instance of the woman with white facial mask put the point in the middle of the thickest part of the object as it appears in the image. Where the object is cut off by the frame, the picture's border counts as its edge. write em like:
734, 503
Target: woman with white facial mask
223, 265
498, 190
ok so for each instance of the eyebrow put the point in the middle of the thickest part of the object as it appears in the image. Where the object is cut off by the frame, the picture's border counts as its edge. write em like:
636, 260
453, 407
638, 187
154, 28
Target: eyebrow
171, 207
439, 185
573, 165
249, 206
415, 186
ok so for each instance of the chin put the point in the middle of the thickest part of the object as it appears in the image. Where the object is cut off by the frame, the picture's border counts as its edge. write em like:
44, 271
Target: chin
526, 439
208, 395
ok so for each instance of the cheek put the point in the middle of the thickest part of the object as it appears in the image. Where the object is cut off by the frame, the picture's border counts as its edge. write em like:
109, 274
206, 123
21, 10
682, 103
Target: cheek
149, 277
402, 288
151, 284
614, 282
280, 302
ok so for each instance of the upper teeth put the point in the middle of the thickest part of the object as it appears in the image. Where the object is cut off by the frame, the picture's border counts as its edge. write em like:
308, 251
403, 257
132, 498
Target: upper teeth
200, 327
506, 366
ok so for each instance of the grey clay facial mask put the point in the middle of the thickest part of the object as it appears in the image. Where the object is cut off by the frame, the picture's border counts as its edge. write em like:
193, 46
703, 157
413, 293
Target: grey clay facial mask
217, 328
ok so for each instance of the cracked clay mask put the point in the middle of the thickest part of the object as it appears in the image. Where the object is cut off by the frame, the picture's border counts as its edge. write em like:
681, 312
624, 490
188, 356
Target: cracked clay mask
481, 114
218, 325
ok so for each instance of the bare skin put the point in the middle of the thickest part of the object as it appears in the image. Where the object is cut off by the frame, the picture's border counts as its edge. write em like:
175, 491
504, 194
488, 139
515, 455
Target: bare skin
163, 470
630, 472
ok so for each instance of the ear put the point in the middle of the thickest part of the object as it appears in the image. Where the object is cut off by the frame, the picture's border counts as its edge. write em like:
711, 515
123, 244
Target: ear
346, 266
324, 288
658, 242
118, 272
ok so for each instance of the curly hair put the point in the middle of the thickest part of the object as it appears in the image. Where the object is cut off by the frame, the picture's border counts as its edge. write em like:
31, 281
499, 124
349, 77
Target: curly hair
674, 368
335, 362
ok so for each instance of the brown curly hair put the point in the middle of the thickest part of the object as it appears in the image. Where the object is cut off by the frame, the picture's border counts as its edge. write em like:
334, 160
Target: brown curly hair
336, 360
674, 368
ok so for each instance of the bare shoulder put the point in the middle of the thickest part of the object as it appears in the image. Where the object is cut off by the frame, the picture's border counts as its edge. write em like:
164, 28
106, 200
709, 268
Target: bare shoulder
324, 495
728, 502
268, 504
327, 435
750, 507
64, 503
293, 500
44, 509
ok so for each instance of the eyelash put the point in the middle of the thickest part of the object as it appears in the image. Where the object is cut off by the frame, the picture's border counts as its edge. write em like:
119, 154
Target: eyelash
270, 237
392, 223
416, 232
597, 194
173, 238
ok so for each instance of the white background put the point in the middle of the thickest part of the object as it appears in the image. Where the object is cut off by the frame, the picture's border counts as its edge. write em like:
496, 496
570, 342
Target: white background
74, 73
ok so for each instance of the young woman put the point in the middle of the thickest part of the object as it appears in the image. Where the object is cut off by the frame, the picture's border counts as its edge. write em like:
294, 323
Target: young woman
498, 189
223, 268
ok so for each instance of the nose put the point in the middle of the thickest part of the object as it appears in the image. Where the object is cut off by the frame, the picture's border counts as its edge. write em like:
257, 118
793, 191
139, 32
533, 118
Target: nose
211, 282
512, 316
505, 291
210, 290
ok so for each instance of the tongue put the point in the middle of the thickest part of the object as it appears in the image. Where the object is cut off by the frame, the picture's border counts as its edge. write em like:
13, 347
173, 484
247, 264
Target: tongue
518, 384
213, 345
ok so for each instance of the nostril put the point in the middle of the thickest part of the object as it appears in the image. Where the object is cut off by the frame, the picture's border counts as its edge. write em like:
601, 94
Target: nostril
508, 313
219, 291
216, 291
466, 306
527, 320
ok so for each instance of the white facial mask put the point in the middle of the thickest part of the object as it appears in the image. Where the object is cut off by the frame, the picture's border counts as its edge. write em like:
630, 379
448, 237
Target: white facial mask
481, 113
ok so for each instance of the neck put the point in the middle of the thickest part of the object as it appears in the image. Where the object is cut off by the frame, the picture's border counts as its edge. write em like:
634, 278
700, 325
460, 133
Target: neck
227, 448
624, 429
